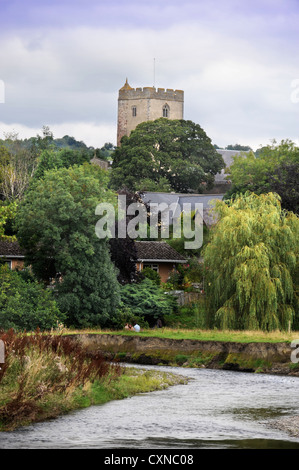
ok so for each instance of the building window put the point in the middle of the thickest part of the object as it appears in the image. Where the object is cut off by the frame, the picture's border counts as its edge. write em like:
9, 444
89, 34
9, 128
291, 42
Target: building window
7, 262
134, 111
166, 110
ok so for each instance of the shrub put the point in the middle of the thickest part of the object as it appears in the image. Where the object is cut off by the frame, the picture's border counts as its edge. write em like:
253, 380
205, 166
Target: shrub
188, 316
148, 301
39, 368
25, 304
151, 274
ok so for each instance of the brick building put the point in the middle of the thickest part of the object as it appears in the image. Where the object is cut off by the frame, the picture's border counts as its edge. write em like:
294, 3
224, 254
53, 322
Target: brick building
158, 256
11, 254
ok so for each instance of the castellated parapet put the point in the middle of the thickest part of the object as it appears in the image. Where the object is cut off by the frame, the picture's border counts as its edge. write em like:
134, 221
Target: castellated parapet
137, 105
151, 93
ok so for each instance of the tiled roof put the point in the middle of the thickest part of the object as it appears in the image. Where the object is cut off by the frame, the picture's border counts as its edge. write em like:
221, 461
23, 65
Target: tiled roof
157, 251
176, 201
10, 249
227, 156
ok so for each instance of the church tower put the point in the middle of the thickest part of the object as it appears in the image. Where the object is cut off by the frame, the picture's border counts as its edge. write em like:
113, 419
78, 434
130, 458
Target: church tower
136, 105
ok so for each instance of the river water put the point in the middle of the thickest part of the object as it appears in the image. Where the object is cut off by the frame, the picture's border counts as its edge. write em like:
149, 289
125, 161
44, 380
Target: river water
216, 409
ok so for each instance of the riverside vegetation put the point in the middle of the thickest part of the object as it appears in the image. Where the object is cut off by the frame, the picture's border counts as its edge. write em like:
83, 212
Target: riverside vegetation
46, 375
250, 272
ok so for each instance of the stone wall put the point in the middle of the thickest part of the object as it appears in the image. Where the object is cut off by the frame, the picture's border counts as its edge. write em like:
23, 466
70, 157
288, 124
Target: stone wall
148, 103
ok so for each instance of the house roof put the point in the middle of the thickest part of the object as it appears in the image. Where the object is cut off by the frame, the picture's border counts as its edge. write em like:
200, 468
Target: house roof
176, 201
180, 198
158, 252
10, 250
227, 156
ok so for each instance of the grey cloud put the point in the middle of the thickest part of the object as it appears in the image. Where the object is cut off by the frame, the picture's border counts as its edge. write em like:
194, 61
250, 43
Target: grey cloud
234, 87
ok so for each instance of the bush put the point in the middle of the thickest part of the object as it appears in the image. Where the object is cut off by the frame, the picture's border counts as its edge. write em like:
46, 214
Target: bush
186, 275
41, 374
25, 304
147, 301
188, 316
151, 274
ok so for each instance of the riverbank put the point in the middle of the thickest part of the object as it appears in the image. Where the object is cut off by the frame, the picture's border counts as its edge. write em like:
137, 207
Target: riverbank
287, 424
42, 386
227, 336
258, 357
131, 382
46, 376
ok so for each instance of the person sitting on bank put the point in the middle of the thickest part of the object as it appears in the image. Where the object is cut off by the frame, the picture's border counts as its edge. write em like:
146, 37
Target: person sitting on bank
136, 327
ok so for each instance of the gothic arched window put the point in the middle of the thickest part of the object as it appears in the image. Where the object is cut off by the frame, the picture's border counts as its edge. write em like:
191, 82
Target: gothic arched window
166, 111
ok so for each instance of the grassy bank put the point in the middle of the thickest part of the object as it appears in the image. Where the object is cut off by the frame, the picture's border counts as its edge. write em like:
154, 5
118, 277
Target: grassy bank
44, 377
204, 335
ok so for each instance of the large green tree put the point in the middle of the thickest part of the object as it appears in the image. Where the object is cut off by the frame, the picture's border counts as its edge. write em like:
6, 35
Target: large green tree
25, 304
275, 168
175, 154
56, 228
52, 158
251, 265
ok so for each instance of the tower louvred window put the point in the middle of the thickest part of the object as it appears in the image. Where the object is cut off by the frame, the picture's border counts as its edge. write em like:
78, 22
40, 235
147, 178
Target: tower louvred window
166, 110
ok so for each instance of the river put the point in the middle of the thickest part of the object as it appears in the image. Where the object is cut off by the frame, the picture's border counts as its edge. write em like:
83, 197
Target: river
216, 409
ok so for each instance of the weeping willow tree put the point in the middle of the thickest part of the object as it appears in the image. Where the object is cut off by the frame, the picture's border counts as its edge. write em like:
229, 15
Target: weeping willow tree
251, 265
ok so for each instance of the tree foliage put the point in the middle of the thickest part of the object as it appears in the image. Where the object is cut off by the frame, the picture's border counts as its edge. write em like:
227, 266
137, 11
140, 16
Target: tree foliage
25, 305
21, 160
51, 159
56, 228
284, 180
252, 265
7, 215
274, 169
242, 148
123, 250
147, 301
17, 166
172, 154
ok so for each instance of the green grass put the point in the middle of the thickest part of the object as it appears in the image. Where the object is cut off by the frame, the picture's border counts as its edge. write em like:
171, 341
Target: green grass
46, 376
203, 335
129, 383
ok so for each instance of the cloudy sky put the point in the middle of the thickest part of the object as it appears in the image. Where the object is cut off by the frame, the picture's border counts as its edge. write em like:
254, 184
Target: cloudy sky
62, 63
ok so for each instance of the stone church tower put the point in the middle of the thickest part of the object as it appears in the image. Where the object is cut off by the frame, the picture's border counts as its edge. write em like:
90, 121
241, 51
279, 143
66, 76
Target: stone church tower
136, 105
